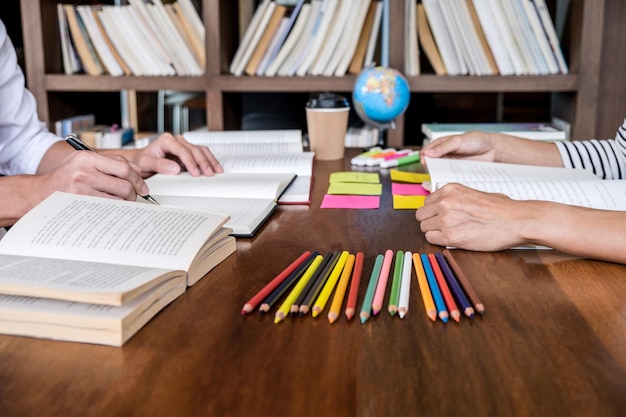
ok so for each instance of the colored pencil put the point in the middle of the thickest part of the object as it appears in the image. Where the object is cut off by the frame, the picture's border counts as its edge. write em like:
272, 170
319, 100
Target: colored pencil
295, 307
314, 291
355, 283
453, 309
265, 291
335, 306
329, 286
394, 295
427, 297
405, 285
284, 309
377, 303
286, 284
469, 290
457, 292
366, 307
434, 289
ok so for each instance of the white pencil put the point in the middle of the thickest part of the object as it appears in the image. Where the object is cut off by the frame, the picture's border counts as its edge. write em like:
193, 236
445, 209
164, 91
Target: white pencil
405, 286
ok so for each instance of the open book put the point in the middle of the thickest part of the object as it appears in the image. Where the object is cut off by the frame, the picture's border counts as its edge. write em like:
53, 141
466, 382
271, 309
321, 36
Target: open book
261, 169
526, 182
96, 270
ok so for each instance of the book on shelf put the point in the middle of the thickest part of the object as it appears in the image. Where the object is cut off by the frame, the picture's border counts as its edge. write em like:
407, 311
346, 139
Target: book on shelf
335, 38
289, 43
73, 124
273, 24
550, 31
190, 25
252, 36
81, 41
358, 58
96, 270
443, 38
300, 48
373, 41
427, 41
342, 57
71, 62
321, 32
411, 46
483, 12
536, 131
571, 186
261, 170
109, 62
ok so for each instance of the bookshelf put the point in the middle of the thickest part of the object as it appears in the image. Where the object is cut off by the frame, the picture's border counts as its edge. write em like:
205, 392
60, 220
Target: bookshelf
590, 97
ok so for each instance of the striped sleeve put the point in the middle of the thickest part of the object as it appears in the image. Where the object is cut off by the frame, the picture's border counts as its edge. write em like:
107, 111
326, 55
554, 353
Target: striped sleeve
605, 158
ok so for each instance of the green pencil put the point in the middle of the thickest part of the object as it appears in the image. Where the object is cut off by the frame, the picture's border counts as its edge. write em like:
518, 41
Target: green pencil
395, 285
366, 308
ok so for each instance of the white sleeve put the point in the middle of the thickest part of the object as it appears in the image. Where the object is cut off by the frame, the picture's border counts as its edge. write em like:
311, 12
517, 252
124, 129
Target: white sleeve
24, 139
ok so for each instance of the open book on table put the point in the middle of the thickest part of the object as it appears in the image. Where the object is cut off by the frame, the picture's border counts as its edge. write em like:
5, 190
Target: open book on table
527, 182
96, 270
262, 152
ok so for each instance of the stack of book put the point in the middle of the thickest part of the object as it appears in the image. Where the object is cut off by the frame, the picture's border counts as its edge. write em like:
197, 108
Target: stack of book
489, 37
320, 37
138, 38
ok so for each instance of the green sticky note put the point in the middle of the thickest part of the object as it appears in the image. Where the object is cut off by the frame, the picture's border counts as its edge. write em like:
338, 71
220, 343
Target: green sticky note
351, 176
355, 188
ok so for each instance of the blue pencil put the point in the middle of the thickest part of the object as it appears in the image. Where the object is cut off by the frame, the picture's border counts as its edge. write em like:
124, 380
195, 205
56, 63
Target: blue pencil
454, 285
366, 308
434, 289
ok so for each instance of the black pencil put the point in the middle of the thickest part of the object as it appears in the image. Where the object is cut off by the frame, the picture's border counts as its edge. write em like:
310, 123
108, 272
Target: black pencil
478, 305
295, 307
278, 292
320, 280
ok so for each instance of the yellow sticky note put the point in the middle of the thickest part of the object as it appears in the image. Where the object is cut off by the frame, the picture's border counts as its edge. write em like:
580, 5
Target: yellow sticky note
355, 188
352, 176
401, 202
413, 177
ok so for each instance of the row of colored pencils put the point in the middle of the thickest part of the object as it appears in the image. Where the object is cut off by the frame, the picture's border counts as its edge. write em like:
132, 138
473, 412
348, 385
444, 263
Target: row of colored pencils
310, 281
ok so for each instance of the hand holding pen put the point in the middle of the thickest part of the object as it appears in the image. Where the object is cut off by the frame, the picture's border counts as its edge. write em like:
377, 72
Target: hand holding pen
77, 144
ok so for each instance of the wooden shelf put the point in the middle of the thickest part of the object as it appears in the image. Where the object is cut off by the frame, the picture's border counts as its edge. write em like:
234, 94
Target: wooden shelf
589, 97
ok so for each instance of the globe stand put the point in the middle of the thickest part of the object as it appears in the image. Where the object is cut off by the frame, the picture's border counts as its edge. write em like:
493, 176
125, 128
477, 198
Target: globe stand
382, 127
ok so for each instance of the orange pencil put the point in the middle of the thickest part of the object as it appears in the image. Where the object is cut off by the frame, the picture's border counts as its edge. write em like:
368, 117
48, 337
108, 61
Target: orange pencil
460, 276
335, 306
265, 291
353, 295
429, 303
443, 287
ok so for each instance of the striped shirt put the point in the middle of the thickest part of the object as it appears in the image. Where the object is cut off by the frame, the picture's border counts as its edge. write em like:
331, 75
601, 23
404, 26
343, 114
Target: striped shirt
605, 158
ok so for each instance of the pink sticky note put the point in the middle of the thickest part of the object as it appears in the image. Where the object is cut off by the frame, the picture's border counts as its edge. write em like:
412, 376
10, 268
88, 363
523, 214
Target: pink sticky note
351, 201
408, 189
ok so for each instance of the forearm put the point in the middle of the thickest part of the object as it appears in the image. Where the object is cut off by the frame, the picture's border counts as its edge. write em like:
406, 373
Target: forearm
22, 193
596, 234
516, 150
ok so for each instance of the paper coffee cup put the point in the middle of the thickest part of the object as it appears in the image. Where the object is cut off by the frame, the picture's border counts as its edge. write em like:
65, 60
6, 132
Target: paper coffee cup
327, 123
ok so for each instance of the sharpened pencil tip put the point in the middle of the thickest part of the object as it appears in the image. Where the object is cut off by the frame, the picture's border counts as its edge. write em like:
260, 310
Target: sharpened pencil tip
443, 316
279, 317
456, 316
364, 318
332, 317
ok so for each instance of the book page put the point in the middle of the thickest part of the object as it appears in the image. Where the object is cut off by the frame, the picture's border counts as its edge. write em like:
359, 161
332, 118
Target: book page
88, 282
226, 185
445, 170
298, 163
604, 194
77, 227
245, 213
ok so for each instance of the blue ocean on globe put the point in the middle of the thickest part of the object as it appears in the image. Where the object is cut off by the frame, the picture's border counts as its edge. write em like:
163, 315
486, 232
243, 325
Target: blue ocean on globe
380, 95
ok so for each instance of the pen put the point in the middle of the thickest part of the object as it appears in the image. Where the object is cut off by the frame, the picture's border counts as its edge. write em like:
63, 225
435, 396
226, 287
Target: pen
79, 145
408, 159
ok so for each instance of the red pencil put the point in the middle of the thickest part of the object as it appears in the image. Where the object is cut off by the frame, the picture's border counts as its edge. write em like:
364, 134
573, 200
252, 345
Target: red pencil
443, 287
353, 295
260, 296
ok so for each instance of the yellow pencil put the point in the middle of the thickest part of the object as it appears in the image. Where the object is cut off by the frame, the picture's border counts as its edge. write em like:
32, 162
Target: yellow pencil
286, 305
429, 303
335, 306
329, 286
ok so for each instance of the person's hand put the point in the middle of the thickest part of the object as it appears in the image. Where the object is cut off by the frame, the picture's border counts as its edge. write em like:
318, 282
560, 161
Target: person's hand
479, 146
465, 218
91, 173
169, 154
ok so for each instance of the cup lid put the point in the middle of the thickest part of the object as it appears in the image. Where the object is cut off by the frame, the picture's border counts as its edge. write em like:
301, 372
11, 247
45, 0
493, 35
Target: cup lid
327, 101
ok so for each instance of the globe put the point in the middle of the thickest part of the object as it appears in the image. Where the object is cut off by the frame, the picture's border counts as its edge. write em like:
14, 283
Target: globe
380, 95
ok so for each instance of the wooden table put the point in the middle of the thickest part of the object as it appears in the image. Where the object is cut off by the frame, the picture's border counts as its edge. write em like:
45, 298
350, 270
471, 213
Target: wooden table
551, 343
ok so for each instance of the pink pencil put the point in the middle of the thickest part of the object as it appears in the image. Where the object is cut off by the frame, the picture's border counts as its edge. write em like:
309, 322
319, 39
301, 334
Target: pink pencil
379, 295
